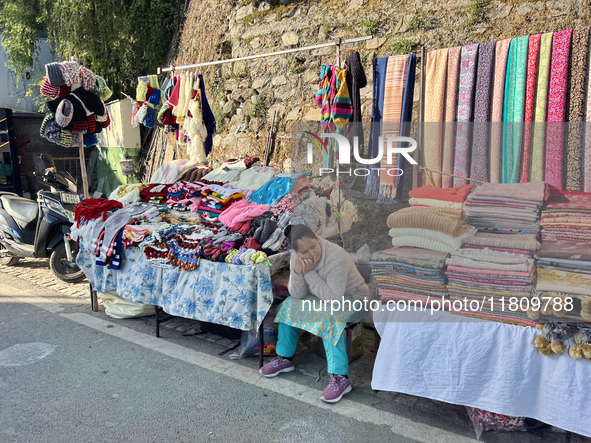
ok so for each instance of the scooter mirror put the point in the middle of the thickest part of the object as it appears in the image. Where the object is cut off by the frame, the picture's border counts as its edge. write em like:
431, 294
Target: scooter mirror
48, 160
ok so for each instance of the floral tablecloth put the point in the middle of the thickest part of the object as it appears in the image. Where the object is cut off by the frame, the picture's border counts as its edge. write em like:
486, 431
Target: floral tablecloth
237, 296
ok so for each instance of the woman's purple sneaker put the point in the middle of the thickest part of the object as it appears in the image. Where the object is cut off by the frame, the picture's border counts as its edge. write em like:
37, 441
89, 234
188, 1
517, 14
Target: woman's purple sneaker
276, 367
335, 390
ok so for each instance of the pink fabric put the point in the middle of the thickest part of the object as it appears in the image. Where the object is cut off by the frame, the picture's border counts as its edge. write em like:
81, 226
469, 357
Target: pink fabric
463, 270
530, 94
242, 211
556, 106
451, 105
498, 94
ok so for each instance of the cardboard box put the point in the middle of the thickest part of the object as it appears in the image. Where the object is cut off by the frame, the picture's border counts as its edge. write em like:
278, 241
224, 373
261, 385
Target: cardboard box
354, 340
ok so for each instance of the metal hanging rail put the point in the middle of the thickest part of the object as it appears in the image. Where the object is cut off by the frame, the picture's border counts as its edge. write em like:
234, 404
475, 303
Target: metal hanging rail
269, 54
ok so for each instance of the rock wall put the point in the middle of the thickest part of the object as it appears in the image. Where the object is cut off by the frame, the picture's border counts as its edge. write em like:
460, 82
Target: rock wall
245, 95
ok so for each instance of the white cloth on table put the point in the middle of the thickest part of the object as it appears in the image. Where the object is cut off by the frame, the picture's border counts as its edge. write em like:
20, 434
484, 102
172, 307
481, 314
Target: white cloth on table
483, 364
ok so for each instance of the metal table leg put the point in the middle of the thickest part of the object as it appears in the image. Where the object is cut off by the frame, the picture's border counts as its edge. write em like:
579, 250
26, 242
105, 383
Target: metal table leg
157, 321
261, 345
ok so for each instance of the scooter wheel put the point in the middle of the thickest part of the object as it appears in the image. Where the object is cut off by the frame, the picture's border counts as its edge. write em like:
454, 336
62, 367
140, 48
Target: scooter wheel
8, 260
61, 268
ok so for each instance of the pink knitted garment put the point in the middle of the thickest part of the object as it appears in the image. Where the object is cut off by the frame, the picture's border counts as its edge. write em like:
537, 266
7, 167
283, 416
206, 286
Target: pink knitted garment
242, 211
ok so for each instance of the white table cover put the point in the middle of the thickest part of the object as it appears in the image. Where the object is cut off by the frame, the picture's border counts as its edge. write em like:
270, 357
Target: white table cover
483, 364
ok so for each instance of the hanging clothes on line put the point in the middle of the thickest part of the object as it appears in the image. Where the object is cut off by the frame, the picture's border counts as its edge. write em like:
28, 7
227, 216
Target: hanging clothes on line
356, 80
451, 108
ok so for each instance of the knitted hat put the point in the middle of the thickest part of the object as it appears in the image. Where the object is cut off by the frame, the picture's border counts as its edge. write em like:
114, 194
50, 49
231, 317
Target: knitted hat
135, 107
268, 228
150, 118
70, 73
64, 113
101, 88
46, 120
141, 91
87, 78
47, 90
141, 114
54, 74
59, 136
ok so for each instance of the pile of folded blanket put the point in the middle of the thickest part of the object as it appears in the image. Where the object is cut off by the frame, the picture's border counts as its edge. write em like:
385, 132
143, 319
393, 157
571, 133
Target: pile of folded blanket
410, 274
506, 208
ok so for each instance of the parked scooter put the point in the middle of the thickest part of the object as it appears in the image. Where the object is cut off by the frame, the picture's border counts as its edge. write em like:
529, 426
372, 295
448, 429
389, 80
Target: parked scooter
41, 229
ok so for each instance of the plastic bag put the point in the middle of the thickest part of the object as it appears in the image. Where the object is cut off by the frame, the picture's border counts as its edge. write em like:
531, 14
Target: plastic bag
362, 256
489, 421
119, 307
249, 342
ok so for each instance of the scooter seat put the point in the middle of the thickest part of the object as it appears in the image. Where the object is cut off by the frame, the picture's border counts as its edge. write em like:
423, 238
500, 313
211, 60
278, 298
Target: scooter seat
20, 208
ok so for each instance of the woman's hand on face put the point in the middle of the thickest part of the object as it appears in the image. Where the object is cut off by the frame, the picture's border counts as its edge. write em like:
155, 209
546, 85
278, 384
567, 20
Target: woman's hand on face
299, 266
308, 265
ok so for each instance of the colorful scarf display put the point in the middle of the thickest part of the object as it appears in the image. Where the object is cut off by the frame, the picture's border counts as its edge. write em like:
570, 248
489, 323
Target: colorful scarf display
464, 114
587, 163
451, 105
538, 152
514, 108
530, 89
557, 106
501, 54
435, 83
482, 107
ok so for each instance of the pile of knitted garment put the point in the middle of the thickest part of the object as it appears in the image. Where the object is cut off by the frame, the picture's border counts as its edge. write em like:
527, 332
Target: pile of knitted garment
217, 199
156, 245
77, 105
184, 196
186, 111
155, 193
230, 170
147, 91
245, 256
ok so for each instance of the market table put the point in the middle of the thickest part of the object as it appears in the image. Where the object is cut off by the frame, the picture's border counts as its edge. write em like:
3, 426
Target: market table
483, 364
237, 296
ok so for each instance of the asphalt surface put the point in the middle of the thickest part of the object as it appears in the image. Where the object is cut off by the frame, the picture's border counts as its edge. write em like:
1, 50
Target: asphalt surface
68, 374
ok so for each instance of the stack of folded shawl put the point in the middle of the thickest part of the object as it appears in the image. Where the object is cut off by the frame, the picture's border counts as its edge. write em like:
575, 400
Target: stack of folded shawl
410, 274
506, 208
449, 198
437, 229
564, 260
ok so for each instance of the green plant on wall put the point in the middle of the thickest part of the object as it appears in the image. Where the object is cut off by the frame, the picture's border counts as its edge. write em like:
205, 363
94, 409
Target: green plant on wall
370, 26
218, 92
297, 66
256, 108
419, 21
400, 46
475, 13
325, 29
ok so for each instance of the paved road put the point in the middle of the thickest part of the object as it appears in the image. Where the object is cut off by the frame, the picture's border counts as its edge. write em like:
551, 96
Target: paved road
70, 375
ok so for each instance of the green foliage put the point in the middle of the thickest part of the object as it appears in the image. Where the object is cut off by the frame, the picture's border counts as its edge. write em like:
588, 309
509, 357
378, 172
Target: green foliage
370, 26
218, 92
325, 29
256, 109
419, 21
475, 13
402, 46
117, 39
297, 66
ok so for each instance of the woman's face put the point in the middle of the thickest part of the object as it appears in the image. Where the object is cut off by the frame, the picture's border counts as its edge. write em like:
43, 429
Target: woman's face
309, 248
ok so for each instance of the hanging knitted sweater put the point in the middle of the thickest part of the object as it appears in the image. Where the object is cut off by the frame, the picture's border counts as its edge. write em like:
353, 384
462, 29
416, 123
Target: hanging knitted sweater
333, 98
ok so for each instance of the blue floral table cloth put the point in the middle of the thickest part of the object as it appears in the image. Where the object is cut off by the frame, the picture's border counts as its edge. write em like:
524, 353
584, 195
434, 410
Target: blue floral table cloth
237, 296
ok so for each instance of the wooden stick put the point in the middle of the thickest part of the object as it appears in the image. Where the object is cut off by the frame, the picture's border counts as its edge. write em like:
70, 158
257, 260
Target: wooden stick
83, 167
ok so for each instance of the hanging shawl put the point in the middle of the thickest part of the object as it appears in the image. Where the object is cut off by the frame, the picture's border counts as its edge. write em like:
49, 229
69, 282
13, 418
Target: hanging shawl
372, 187
208, 117
451, 108
573, 151
539, 131
356, 80
464, 115
435, 83
530, 89
514, 106
482, 105
393, 100
556, 107
407, 104
501, 53
587, 164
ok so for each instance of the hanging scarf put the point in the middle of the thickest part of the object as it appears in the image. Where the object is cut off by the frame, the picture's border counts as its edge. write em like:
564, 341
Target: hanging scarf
498, 94
393, 100
573, 151
539, 131
530, 89
356, 80
372, 187
514, 108
556, 107
464, 115
435, 83
587, 164
451, 109
482, 107
208, 117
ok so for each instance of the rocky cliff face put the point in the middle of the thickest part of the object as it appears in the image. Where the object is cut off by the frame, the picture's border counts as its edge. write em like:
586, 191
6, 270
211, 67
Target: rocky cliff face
245, 95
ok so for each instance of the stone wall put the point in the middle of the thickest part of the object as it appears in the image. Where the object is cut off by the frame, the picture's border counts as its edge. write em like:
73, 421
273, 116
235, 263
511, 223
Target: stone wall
245, 95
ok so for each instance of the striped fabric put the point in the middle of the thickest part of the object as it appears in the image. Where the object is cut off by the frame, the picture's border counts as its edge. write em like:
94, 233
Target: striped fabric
451, 107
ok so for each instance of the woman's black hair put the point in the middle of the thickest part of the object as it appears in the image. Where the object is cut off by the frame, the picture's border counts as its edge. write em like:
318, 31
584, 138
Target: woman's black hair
298, 232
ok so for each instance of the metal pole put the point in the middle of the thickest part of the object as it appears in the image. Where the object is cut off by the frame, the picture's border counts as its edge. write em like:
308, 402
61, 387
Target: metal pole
268, 54
338, 43
83, 166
